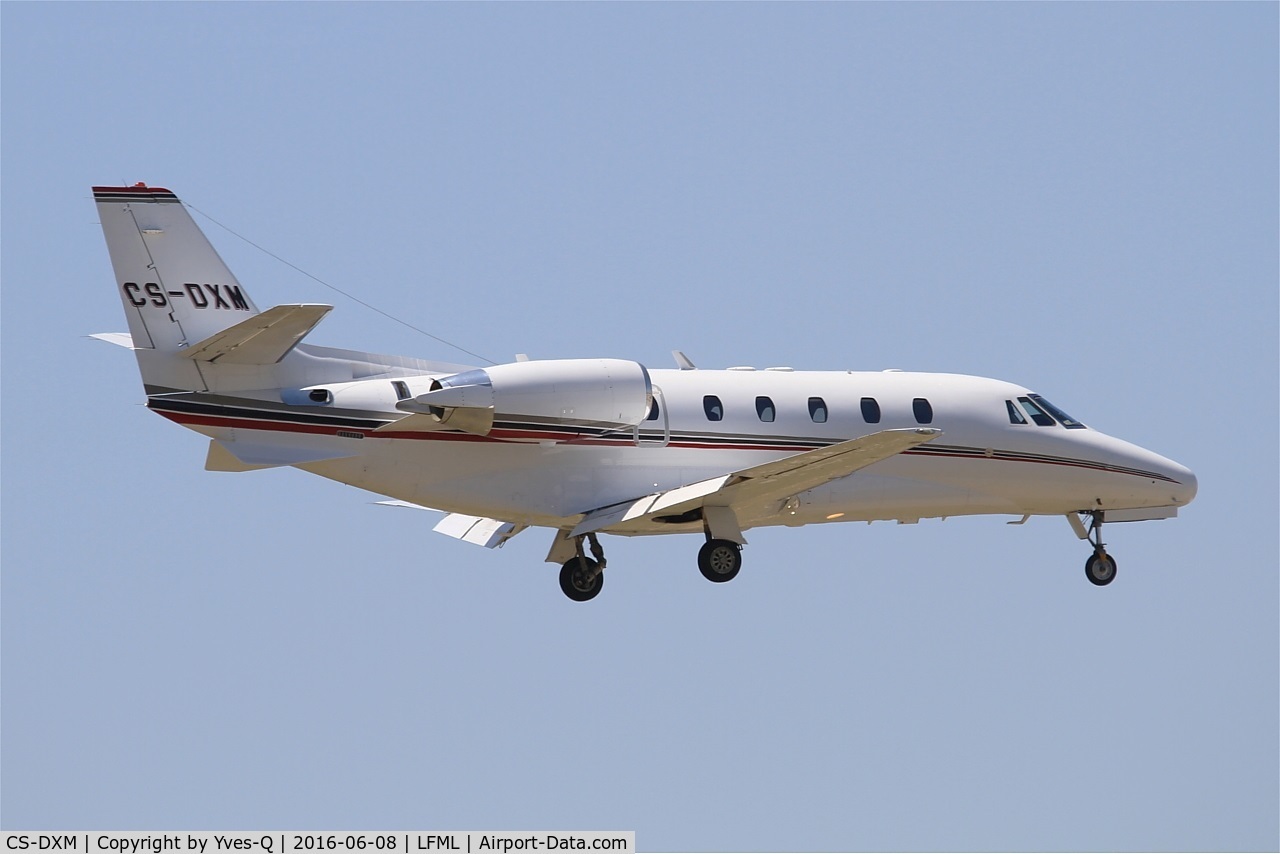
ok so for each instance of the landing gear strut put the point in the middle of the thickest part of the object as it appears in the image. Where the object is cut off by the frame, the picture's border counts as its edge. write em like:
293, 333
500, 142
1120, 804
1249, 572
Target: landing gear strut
582, 578
1100, 568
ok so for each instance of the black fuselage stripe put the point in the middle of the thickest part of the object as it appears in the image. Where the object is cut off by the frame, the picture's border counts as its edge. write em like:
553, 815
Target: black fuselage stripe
708, 440
192, 408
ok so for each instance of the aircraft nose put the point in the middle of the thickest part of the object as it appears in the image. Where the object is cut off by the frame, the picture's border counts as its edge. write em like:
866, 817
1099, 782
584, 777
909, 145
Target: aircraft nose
1160, 481
1177, 482
1187, 485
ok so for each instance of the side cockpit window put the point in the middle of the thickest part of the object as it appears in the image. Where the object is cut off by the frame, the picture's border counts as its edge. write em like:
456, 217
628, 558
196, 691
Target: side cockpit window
1015, 414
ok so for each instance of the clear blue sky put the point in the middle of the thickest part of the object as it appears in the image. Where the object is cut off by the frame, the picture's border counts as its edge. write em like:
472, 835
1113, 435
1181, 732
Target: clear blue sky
1078, 197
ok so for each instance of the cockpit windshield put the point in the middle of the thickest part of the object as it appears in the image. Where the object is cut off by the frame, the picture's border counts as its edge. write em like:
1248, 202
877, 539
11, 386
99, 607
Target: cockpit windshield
1041, 411
1063, 418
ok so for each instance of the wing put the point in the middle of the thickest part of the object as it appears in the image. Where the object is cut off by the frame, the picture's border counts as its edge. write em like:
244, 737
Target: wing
779, 479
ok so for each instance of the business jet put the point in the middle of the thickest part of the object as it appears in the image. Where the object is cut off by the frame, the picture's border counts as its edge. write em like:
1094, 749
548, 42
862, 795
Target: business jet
585, 447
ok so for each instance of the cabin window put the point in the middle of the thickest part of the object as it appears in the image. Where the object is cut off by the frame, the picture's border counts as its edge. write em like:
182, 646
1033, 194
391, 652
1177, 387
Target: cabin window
870, 410
1063, 418
764, 408
818, 410
320, 395
402, 389
1037, 414
713, 407
1015, 417
653, 410
923, 410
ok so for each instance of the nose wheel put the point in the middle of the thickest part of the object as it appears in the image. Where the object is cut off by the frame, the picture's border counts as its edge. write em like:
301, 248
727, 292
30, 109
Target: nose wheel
1100, 568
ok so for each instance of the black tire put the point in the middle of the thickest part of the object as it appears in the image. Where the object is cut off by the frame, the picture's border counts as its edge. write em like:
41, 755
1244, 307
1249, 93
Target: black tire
573, 583
1100, 569
720, 560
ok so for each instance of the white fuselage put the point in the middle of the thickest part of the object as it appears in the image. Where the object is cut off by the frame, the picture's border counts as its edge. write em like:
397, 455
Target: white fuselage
982, 463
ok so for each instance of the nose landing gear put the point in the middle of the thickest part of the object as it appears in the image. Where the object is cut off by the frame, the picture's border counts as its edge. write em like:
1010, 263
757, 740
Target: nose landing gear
1100, 568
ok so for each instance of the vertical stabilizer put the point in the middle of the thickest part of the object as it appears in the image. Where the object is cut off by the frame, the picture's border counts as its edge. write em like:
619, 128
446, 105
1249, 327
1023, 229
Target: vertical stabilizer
192, 325
175, 288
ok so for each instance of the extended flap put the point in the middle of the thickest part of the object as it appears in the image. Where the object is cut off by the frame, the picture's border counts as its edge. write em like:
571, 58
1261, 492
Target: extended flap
489, 533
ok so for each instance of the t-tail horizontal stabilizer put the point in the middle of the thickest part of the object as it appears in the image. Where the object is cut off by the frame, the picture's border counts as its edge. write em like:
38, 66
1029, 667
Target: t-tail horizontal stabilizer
120, 339
263, 339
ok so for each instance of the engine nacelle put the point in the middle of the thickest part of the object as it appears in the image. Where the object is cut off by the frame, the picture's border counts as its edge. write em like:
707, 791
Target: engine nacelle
571, 393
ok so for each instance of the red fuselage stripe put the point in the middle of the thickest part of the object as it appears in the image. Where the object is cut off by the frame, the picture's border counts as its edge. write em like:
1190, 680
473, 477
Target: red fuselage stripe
508, 435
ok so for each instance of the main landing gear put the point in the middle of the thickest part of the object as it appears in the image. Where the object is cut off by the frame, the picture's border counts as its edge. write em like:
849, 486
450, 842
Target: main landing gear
581, 577
1100, 568
720, 560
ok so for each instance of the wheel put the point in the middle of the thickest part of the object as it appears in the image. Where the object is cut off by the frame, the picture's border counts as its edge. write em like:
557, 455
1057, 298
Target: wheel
580, 579
1100, 569
720, 560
